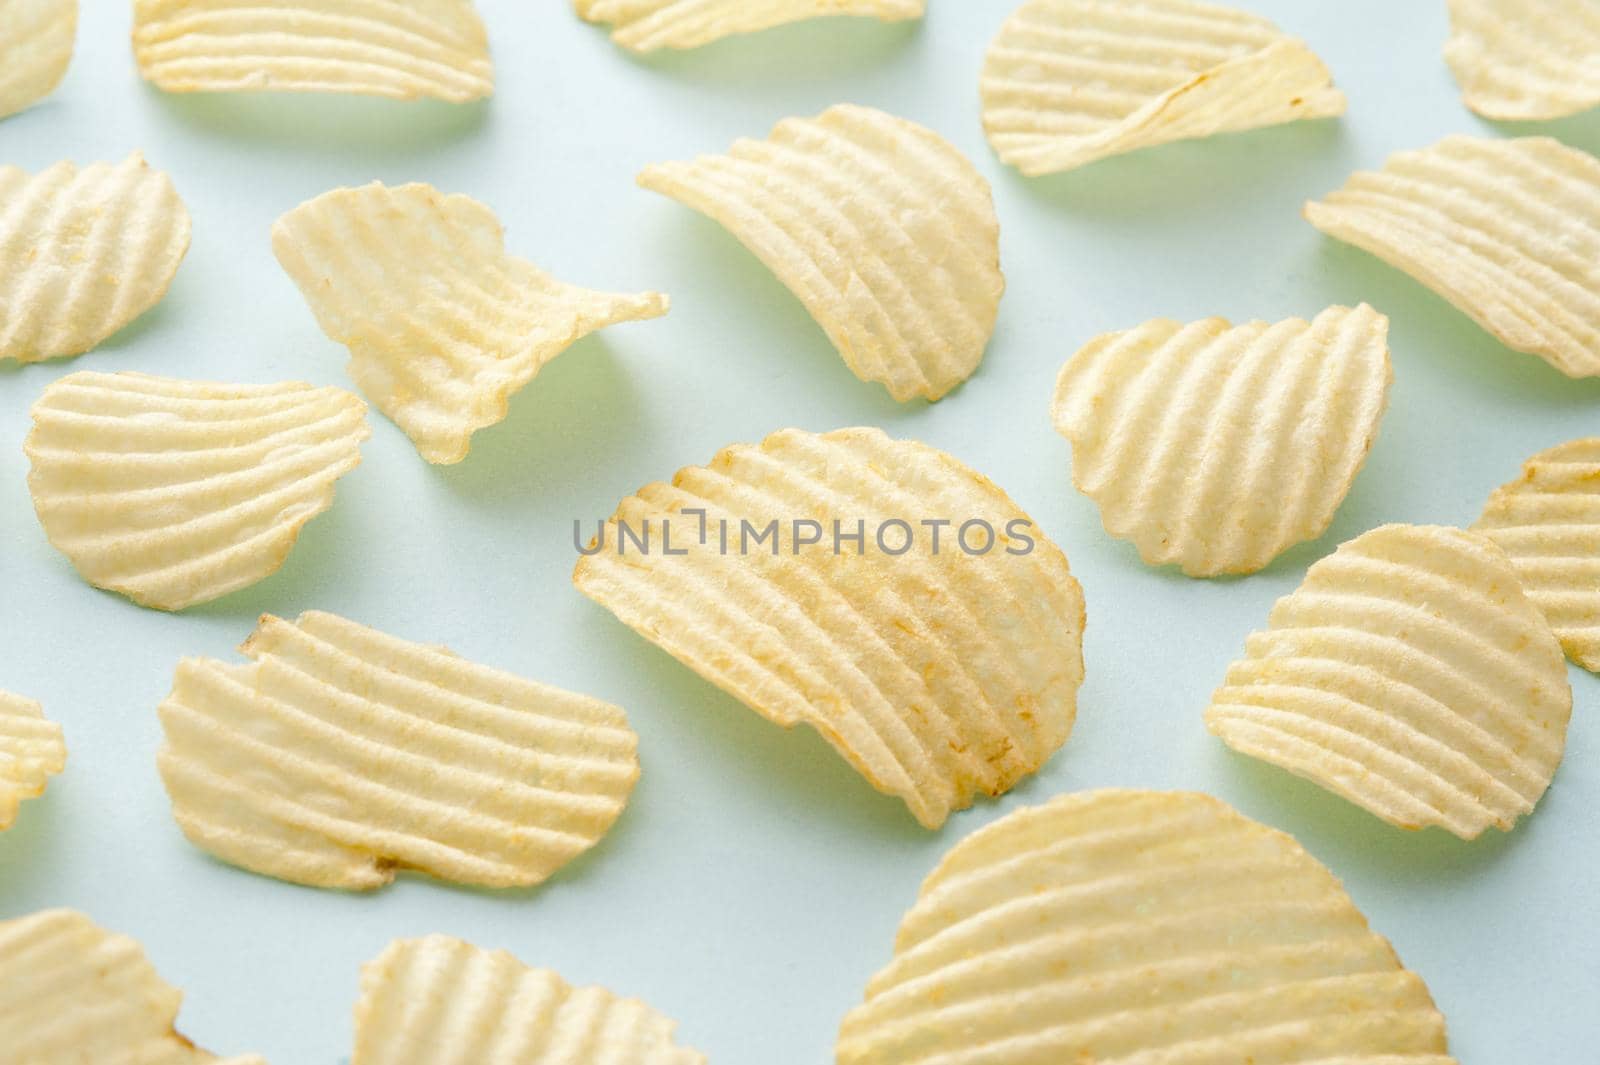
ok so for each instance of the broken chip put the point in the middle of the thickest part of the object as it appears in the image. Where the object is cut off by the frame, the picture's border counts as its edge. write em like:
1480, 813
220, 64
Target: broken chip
646, 25
1217, 447
1410, 674
1522, 60
31, 752
35, 49
882, 228
442, 325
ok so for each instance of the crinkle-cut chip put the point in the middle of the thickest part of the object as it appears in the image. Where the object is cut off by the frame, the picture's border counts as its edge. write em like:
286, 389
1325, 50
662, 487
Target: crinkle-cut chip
1135, 927
32, 751
938, 674
440, 1001
72, 992
1217, 447
340, 754
646, 25
1067, 82
1410, 674
403, 49
1522, 60
1507, 230
83, 253
442, 325
36, 38
881, 227
173, 492
1548, 521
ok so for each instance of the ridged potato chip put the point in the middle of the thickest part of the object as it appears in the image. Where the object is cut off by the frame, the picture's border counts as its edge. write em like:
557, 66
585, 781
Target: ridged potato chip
442, 325
938, 672
646, 25
36, 39
1135, 928
882, 228
1410, 674
72, 993
83, 253
1521, 60
1506, 230
403, 49
1548, 521
1216, 447
440, 1001
173, 492
32, 751
1067, 82
339, 755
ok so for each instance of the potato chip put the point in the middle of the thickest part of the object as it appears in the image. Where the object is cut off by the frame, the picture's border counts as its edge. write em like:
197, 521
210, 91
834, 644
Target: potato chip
173, 492
403, 49
83, 253
72, 993
882, 228
31, 752
340, 754
1068, 82
645, 25
442, 325
35, 49
940, 651
1525, 59
1410, 674
1216, 447
1122, 927
1548, 521
440, 1001
1506, 230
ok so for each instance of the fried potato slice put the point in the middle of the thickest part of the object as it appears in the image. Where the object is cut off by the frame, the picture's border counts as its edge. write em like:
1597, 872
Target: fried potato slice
1506, 230
1410, 674
937, 673
882, 228
442, 325
35, 49
402, 49
32, 751
1067, 82
71, 992
440, 1001
83, 253
1548, 521
340, 754
1216, 447
1522, 60
646, 25
174, 492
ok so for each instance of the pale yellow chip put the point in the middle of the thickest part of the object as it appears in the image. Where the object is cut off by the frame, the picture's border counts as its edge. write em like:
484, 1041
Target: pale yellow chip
32, 751
83, 253
1548, 521
339, 755
403, 49
882, 228
440, 1001
646, 25
1216, 447
1135, 928
442, 325
1410, 674
36, 38
1507, 230
1525, 59
938, 673
1067, 82
173, 492
72, 993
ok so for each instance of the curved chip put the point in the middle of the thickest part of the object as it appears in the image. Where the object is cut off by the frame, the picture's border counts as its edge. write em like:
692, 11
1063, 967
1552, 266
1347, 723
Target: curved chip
646, 25
32, 751
1548, 521
36, 39
1067, 82
340, 754
939, 652
1216, 447
173, 492
403, 49
1120, 927
1506, 230
882, 228
83, 253
72, 992
1410, 674
440, 1001
1522, 60
442, 325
